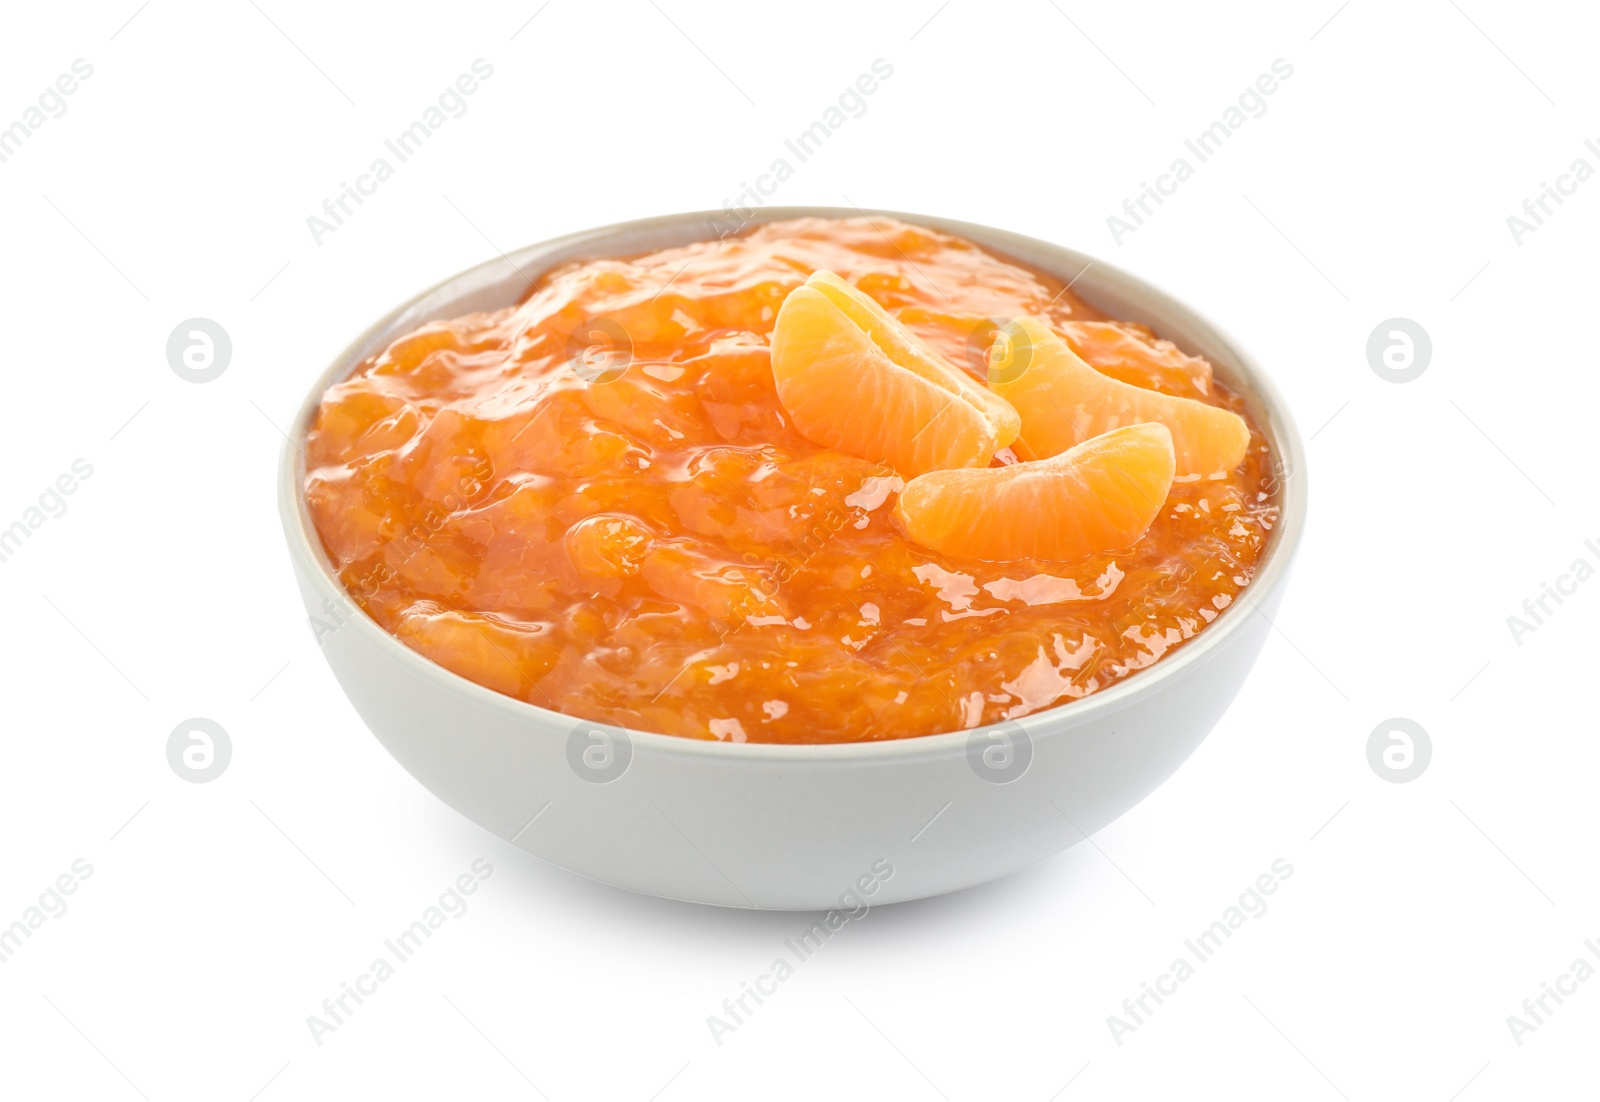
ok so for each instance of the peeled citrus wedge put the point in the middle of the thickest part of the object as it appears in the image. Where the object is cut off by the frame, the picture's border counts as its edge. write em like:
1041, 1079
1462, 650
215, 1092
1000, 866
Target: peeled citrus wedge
1098, 496
1063, 402
854, 379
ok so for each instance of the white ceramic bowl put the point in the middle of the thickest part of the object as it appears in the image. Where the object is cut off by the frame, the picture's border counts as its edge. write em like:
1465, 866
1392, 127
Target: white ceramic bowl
794, 827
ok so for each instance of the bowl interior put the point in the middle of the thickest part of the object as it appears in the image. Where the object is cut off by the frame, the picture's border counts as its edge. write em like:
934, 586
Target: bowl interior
507, 279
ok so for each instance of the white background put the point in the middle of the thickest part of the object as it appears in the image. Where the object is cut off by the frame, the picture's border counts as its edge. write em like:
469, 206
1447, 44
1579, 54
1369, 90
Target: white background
1378, 183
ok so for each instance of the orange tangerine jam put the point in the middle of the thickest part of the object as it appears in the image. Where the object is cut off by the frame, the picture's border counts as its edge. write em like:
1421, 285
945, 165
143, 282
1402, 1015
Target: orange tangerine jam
594, 501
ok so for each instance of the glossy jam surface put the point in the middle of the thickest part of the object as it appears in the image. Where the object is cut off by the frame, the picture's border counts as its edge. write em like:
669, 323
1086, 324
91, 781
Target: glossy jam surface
594, 502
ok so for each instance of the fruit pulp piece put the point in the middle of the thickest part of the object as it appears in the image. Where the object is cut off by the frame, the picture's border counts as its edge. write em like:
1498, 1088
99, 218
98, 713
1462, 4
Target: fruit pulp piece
854, 379
499, 652
1101, 495
1064, 402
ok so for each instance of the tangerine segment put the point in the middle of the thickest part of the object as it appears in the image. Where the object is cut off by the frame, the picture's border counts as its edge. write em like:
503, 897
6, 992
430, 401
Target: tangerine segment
1101, 495
905, 350
1064, 402
854, 379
